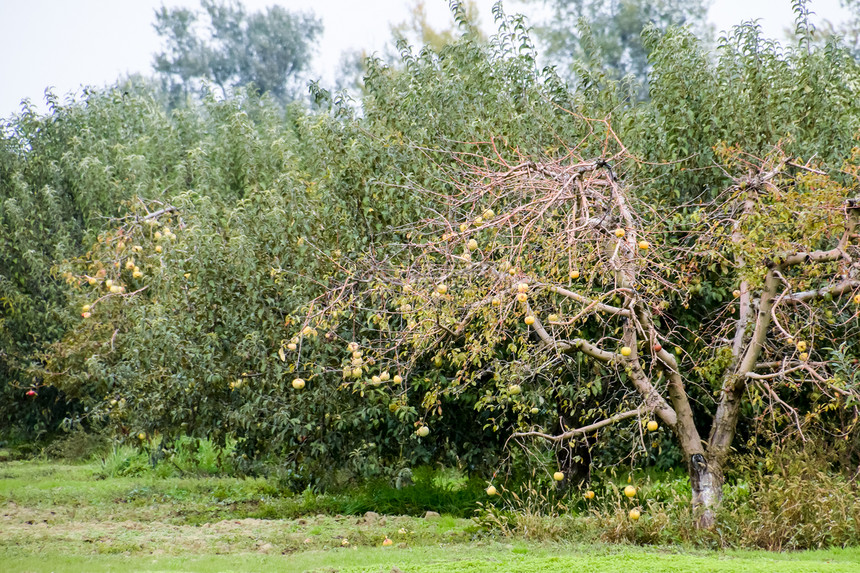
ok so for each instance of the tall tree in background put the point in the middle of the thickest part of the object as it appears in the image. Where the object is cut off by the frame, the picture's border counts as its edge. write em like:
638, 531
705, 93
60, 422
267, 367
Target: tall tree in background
224, 44
610, 30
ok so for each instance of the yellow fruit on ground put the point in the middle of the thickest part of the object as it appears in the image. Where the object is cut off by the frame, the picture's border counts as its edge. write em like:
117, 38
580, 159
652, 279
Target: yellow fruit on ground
129, 264
522, 297
558, 476
157, 235
512, 272
472, 244
634, 514
423, 432
137, 274
137, 248
626, 351
574, 274
158, 248
441, 289
523, 287
630, 491
387, 542
619, 232
463, 227
589, 495
801, 345
492, 490
514, 389
298, 383
85, 308
652, 426
644, 245
530, 320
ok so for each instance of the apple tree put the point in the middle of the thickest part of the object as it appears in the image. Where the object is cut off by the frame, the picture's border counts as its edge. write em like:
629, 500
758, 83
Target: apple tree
543, 280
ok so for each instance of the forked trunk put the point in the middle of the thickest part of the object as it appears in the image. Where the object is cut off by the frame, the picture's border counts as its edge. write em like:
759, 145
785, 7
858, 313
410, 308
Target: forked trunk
706, 479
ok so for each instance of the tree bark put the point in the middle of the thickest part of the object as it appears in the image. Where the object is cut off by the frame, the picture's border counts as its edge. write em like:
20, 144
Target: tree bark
706, 480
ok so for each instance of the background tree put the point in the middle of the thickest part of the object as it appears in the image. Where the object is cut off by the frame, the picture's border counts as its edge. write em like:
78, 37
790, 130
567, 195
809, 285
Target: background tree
225, 45
609, 32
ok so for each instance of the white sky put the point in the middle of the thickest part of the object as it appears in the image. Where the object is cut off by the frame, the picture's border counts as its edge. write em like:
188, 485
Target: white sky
67, 44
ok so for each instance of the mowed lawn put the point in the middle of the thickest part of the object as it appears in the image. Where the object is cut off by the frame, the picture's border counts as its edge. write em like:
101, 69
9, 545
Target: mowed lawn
62, 517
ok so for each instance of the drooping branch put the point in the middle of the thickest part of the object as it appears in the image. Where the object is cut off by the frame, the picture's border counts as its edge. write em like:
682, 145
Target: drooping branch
584, 429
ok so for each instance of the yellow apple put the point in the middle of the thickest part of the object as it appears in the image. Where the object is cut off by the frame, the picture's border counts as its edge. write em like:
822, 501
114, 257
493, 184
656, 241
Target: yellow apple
291, 346
523, 287
626, 351
385, 376
558, 476
85, 308
619, 232
522, 297
530, 320
423, 432
652, 425
589, 494
441, 289
472, 244
634, 514
492, 490
397, 379
497, 301
552, 318
644, 245
514, 389
801, 345
298, 383
158, 248
574, 274
630, 491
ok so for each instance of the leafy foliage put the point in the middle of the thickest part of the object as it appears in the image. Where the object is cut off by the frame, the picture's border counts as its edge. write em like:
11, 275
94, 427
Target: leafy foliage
231, 48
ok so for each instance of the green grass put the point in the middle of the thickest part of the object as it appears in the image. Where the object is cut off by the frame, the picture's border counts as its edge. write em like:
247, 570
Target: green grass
62, 517
473, 558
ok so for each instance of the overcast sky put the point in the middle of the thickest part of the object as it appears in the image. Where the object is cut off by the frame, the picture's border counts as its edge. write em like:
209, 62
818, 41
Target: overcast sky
69, 43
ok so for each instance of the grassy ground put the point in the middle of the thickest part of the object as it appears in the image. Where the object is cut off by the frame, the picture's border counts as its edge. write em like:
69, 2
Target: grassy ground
61, 517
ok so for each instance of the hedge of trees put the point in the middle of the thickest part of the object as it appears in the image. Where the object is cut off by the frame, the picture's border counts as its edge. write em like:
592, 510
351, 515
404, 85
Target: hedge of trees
174, 271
